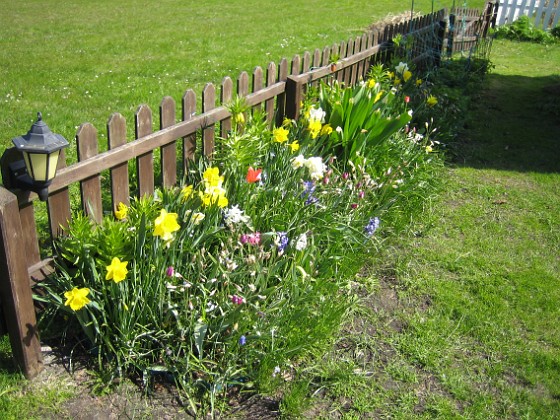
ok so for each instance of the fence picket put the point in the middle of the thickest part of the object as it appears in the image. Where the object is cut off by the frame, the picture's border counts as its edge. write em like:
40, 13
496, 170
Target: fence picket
281, 99
296, 65
326, 56
116, 136
145, 162
169, 151
90, 189
270, 80
208, 103
306, 62
257, 84
226, 94
58, 205
189, 142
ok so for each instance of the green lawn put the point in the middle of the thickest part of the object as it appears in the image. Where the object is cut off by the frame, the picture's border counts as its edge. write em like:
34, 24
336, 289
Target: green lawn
80, 61
462, 319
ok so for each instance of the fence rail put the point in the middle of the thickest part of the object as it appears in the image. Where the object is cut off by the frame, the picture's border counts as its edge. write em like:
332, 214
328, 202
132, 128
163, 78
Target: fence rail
277, 90
546, 13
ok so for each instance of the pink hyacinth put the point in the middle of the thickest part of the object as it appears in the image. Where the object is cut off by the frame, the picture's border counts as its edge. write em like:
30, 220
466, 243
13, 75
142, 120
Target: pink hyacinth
237, 300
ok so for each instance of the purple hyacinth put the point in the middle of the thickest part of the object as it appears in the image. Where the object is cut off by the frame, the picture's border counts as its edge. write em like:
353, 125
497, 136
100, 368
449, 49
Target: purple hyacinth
242, 340
372, 226
281, 241
308, 190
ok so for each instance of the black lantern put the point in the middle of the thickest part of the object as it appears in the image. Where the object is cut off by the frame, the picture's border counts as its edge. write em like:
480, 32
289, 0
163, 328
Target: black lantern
40, 148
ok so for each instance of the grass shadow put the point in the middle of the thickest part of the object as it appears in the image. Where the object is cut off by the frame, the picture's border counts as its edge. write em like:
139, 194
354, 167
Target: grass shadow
514, 125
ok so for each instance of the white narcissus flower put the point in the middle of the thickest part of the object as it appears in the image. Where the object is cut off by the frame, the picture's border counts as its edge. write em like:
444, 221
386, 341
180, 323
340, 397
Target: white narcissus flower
401, 68
316, 167
235, 215
317, 114
301, 242
298, 162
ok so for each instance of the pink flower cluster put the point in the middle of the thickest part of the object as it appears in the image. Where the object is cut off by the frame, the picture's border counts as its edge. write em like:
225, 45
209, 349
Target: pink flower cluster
251, 238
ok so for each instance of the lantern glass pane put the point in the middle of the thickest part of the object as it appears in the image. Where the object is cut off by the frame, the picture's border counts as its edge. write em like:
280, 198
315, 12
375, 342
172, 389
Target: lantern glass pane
39, 166
28, 164
53, 160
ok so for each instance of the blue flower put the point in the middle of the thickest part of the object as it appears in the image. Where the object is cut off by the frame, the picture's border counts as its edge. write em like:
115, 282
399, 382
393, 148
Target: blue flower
281, 241
242, 340
372, 226
308, 190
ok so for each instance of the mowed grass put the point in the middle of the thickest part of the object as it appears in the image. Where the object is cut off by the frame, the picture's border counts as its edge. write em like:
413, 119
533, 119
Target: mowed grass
81, 61
462, 317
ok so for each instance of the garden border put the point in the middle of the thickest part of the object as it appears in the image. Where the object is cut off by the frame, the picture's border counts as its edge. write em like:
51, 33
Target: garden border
278, 91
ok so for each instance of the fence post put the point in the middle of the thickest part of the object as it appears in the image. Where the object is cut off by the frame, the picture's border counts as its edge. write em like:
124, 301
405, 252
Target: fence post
440, 42
15, 289
294, 97
451, 34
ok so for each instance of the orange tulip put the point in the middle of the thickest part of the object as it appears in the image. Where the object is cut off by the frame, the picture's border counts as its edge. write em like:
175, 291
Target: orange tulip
253, 175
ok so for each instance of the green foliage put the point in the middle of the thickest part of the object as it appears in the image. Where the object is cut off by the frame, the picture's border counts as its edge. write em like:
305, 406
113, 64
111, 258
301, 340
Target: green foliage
241, 274
523, 29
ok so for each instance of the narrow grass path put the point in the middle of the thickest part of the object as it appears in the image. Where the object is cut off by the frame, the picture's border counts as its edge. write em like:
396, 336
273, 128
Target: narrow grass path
464, 320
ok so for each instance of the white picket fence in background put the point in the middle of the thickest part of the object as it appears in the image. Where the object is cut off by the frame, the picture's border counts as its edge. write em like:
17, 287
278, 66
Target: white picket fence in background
546, 13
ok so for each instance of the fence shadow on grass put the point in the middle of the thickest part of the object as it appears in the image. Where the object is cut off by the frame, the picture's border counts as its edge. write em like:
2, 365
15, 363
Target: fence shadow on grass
514, 125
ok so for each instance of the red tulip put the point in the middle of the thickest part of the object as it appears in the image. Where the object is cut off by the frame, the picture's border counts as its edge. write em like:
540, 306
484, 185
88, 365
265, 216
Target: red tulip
253, 175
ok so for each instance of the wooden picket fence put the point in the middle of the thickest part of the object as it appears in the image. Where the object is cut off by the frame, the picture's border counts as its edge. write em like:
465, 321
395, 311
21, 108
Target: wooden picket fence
545, 13
467, 26
278, 91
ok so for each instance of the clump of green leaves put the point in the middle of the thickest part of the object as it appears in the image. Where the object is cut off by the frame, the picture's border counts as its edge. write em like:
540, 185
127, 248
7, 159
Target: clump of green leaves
523, 29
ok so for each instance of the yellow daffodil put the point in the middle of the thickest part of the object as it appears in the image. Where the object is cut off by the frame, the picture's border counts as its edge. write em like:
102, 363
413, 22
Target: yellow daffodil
212, 177
431, 101
165, 225
280, 135
186, 192
371, 83
197, 218
429, 149
76, 298
314, 128
121, 211
326, 130
294, 146
117, 270
397, 81
407, 75
418, 82
378, 96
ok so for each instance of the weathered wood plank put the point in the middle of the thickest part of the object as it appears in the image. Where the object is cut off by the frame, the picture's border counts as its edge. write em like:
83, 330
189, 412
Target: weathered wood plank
257, 84
306, 62
296, 65
270, 80
116, 136
208, 104
189, 140
281, 98
169, 151
58, 204
90, 189
29, 227
15, 293
243, 84
145, 161
226, 95
326, 56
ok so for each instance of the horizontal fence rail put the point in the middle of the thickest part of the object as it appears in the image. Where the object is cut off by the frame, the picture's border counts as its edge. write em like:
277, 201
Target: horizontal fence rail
181, 137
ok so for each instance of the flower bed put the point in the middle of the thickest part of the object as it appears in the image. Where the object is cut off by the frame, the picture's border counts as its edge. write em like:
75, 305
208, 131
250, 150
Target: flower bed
239, 276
